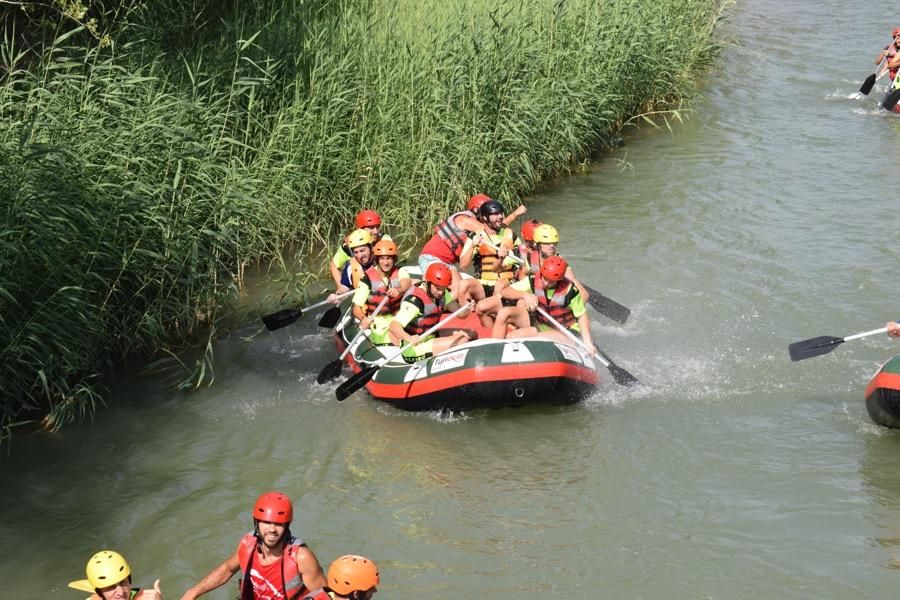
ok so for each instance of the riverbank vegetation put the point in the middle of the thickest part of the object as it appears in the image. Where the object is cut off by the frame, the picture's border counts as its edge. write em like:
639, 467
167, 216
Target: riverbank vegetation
152, 150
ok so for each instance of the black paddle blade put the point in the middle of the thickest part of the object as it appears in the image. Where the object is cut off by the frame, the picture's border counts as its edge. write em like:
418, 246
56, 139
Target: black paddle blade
867, 85
813, 347
620, 375
890, 101
330, 371
355, 383
610, 308
330, 318
282, 318
607, 306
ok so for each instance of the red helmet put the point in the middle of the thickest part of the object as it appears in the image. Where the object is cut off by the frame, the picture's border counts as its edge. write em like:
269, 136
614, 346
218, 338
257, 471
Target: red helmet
367, 218
554, 268
476, 201
439, 274
274, 507
528, 229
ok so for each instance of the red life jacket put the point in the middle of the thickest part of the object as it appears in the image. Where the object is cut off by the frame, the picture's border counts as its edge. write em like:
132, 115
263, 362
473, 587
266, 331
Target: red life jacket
892, 52
431, 310
534, 261
557, 306
378, 290
448, 240
318, 594
280, 580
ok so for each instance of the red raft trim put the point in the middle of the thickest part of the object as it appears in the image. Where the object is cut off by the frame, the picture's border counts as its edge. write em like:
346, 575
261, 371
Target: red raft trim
435, 383
889, 381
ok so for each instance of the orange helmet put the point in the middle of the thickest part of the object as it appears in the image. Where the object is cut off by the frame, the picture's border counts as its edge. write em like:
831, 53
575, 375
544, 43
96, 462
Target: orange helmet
385, 248
352, 573
367, 218
439, 274
528, 229
476, 201
554, 268
274, 507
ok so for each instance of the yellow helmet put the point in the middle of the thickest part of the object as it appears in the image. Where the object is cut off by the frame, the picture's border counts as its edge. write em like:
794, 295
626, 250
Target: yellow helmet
104, 569
546, 234
360, 237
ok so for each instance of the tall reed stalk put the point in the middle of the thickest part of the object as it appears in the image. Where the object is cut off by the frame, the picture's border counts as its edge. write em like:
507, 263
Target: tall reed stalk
139, 180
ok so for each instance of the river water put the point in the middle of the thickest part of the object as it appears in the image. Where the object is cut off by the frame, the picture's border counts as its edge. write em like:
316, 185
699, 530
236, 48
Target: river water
767, 217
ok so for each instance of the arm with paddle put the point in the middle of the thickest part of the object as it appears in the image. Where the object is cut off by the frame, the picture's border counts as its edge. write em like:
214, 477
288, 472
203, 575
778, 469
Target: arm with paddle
869, 83
602, 304
288, 316
824, 344
620, 375
359, 380
333, 369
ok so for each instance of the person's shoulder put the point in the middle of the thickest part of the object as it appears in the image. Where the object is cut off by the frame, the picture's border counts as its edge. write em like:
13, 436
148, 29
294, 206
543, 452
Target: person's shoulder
414, 300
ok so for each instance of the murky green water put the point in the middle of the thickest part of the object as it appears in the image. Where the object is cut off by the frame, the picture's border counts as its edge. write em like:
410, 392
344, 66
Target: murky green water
769, 217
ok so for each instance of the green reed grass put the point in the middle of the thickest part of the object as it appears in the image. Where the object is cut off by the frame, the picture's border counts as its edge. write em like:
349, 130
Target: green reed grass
138, 181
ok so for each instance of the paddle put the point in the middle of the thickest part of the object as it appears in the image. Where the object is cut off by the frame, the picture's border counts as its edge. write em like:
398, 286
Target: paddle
364, 376
869, 83
890, 101
286, 316
602, 304
607, 306
824, 344
620, 375
333, 369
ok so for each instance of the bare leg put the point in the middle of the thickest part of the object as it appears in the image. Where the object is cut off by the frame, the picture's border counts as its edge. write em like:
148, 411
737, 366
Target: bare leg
443, 344
510, 315
486, 310
470, 289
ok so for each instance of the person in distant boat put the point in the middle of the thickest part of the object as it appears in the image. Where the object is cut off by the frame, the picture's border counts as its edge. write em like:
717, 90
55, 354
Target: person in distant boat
109, 578
422, 308
556, 294
488, 252
360, 244
382, 279
350, 577
891, 54
546, 238
365, 219
893, 328
451, 234
275, 564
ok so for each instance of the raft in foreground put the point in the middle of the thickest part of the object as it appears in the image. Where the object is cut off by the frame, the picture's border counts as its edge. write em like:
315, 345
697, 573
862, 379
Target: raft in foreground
484, 373
883, 395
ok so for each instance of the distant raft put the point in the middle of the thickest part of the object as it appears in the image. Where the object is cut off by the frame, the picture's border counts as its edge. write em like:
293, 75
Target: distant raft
484, 373
883, 395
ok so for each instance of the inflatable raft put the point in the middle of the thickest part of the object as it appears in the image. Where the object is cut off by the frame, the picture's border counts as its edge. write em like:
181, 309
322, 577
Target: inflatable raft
483, 373
883, 395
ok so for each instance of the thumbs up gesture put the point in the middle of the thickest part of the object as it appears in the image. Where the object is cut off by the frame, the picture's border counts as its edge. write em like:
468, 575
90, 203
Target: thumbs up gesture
154, 594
